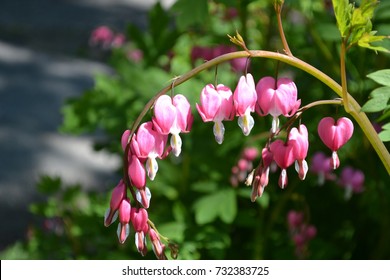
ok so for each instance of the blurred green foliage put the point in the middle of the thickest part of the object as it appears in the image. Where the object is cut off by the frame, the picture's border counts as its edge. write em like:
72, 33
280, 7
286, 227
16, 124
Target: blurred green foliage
193, 201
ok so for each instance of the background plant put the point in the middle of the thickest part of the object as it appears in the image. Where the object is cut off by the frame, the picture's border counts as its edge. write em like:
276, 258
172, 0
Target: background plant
194, 203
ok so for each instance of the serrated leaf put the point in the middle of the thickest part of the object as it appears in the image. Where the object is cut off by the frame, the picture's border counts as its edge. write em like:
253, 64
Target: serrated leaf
368, 38
343, 11
381, 77
379, 99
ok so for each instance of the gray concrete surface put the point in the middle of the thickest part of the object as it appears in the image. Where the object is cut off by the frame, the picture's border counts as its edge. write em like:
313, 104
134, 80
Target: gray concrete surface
40, 68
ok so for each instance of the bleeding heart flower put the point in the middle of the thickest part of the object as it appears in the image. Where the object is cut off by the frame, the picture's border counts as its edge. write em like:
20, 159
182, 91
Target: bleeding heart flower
118, 194
149, 144
216, 105
244, 102
136, 172
124, 219
301, 145
352, 180
173, 116
283, 154
276, 98
335, 134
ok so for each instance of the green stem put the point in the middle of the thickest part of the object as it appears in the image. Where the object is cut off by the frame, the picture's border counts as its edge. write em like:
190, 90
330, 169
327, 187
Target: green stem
278, 9
355, 109
343, 73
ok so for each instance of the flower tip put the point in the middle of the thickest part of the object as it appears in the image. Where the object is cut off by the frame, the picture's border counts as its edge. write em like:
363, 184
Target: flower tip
123, 232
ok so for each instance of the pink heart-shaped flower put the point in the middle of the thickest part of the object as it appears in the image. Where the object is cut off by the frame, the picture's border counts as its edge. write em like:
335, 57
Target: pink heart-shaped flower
335, 134
283, 153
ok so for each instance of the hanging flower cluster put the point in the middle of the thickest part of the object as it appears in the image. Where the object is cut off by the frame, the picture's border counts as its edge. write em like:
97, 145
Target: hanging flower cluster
159, 137
172, 116
301, 232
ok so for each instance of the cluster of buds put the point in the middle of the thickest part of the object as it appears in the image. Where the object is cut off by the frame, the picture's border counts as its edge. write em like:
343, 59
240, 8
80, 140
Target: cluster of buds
244, 165
172, 116
301, 232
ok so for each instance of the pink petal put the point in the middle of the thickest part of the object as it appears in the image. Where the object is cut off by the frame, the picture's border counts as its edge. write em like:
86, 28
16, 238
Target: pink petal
164, 114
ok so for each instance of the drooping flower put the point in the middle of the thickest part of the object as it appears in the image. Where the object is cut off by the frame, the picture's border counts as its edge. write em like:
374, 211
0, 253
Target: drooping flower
352, 180
173, 116
136, 172
102, 35
276, 98
261, 174
216, 104
301, 145
143, 196
157, 245
244, 102
149, 144
334, 135
322, 166
124, 219
283, 154
139, 219
118, 194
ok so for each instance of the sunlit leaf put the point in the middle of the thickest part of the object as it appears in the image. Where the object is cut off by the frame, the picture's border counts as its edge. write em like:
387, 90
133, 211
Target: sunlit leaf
381, 77
379, 99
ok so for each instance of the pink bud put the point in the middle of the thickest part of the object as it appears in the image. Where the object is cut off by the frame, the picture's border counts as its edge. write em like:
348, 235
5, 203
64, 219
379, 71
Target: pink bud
250, 153
124, 219
139, 218
118, 194
125, 138
158, 246
136, 172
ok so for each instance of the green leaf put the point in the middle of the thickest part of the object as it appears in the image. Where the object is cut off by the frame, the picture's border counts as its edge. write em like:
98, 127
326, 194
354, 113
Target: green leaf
343, 11
379, 99
221, 204
381, 77
368, 38
384, 135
